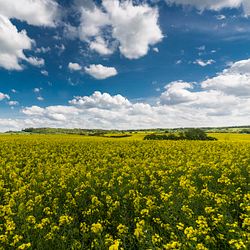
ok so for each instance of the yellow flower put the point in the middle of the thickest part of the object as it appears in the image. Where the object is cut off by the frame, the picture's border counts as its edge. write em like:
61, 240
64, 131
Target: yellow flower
122, 229
156, 238
3, 238
31, 219
84, 227
180, 226
16, 239
144, 212
24, 246
174, 245
209, 210
200, 246
115, 245
65, 219
238, 244
190, 233
139, 230
96, 228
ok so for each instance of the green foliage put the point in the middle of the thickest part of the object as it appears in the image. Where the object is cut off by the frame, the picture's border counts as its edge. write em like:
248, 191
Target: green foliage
196, 134
245, 131
162, 137
188, 134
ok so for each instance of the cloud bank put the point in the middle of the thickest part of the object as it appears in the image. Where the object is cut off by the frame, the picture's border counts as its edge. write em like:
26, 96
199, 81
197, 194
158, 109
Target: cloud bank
222, 100
215, 5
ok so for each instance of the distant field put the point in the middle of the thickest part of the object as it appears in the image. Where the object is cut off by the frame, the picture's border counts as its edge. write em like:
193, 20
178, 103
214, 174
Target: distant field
117, 136
78, 192
231, 136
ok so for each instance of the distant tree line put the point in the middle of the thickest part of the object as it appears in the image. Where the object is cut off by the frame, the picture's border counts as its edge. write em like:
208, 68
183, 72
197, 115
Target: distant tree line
188, 134
245, 131
77, 131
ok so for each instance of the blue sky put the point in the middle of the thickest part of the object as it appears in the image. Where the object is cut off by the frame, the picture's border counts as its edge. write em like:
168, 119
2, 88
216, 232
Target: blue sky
124, 64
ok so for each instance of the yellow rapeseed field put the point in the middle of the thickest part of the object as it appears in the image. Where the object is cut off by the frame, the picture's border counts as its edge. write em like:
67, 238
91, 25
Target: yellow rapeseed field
72, 192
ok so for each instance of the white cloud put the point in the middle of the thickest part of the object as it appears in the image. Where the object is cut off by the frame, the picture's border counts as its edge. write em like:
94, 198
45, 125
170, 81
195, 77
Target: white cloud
222, 100
99, 100
233, 81
4, 96
42, 50
235, 84
12, 41
100, 46
40, 98
221, 17
92, 21
134, 27
60, 48
71, 32
38, 62
13, 103
54, 113
100, 72
215, 5
37, 90
10, 124
204, 63
240, 67
12, 45
35, 12
33, 110
74, 66
102, 110
155, 49
44, 72
177, 92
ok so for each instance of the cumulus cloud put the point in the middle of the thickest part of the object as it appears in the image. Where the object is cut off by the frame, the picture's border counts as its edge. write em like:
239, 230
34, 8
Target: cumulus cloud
12, 41
4, 96
177, 92
102, 110
239, 67
13, 103
155, 49
181, 94
55, 113
233, 81
40, 98
203, 63
38, 62
100, 72
12, 45
217, 101
99, 100
92, 21
215, 5
74, 66
35, 12
101, 46
133, 27
37, 90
